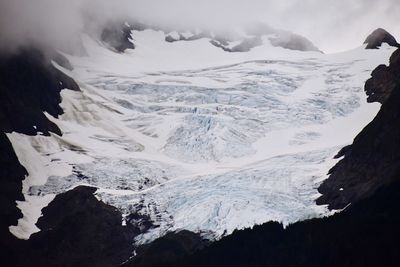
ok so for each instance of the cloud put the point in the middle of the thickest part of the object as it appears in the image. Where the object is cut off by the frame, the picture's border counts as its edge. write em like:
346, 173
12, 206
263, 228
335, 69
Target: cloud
332, 25
339, 25
40, 21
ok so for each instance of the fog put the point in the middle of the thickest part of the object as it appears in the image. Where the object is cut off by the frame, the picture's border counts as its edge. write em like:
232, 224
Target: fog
332, 25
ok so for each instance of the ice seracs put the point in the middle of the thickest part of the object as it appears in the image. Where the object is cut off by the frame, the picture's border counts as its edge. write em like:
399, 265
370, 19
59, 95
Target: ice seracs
200, 139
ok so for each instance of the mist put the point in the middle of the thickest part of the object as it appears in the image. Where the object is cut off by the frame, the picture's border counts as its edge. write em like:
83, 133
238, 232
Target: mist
331, 25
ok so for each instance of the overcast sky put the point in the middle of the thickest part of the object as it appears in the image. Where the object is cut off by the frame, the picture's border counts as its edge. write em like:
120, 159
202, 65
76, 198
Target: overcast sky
333, 25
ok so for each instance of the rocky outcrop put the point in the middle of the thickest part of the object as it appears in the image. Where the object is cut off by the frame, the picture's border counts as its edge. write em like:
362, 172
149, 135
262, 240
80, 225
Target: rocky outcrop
11, 175
373, 159
168, 248
378, 37
117, 36
79, 230
29, 86
384, 79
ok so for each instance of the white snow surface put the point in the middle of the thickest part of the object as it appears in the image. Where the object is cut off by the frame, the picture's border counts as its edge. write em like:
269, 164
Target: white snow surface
198, 138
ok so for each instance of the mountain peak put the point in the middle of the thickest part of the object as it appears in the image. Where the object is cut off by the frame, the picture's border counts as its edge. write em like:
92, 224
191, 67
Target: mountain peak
379, 36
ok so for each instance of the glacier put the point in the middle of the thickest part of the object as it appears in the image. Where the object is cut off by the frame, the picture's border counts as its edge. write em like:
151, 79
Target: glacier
198, 138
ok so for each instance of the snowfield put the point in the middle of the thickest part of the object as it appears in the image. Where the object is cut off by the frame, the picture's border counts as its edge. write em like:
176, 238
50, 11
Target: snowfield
198, 138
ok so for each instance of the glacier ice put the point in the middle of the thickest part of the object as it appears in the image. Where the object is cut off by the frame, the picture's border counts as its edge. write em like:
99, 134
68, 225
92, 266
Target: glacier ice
207, 148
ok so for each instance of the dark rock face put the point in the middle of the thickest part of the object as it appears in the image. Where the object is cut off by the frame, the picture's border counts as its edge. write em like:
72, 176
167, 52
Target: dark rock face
384, 79
118, 37
30, 85
11, 175
379, 36
79, 230
139, 223
373, 159
366, 234
168, 248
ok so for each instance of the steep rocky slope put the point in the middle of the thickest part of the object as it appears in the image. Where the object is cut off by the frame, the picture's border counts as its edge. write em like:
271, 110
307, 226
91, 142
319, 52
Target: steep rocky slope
87, 233
117, 36
384, 79
11, 175
29, 86
373, 159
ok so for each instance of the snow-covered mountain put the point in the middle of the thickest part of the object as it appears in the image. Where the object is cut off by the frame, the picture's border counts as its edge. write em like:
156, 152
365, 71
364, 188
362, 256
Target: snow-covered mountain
182, 130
